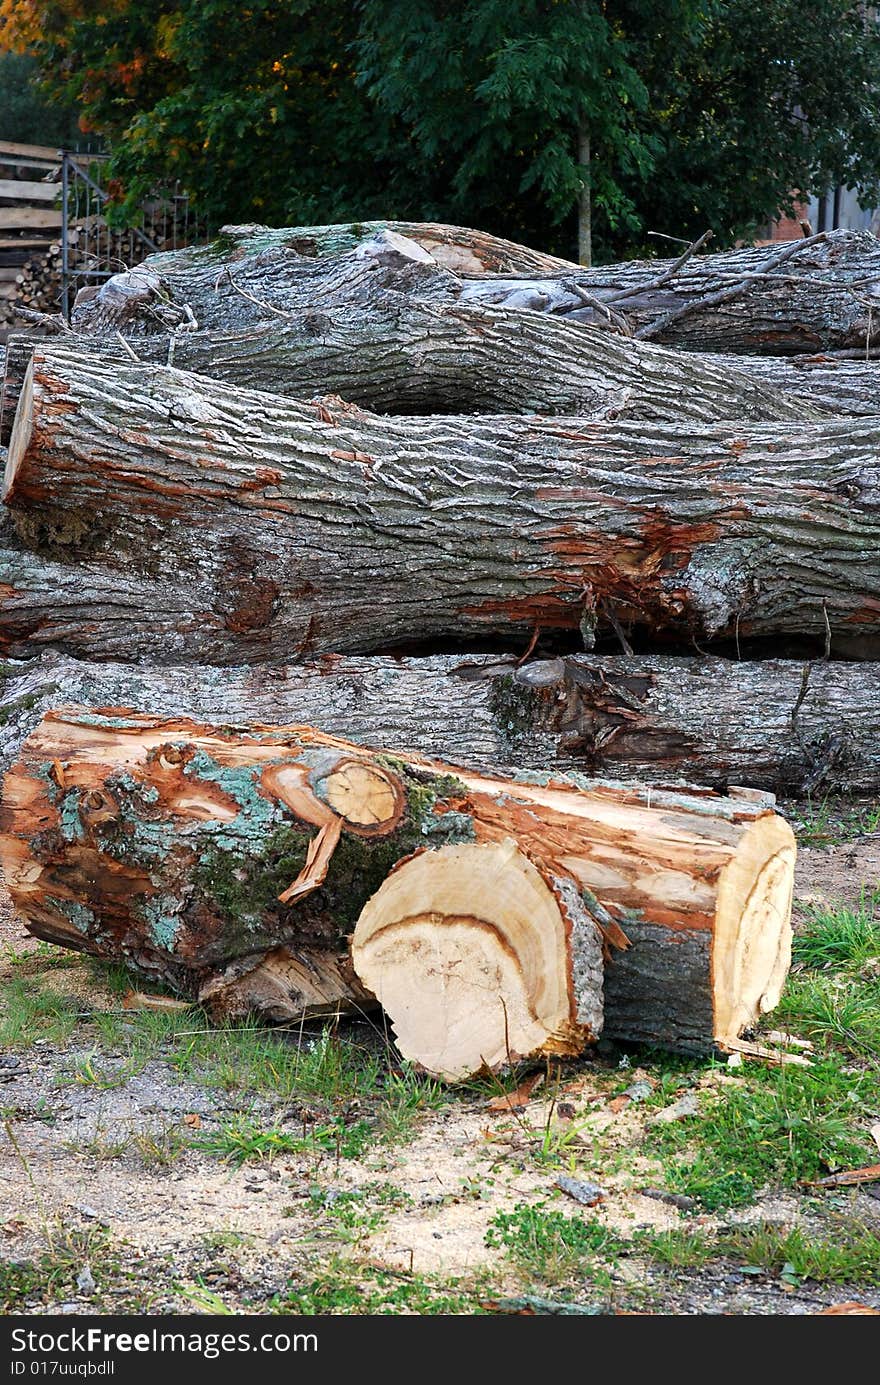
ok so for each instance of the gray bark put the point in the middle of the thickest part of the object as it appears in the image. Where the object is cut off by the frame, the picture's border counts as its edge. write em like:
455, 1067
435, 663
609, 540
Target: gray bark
781, 725
660, 986
843, 388
238, 290
824, 296
404, 357
308, 528
808, 296
461, 248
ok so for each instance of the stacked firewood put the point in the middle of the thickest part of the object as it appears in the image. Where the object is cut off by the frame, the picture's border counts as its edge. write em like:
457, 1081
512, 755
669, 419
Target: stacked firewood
93, 246
406, 616
38, 283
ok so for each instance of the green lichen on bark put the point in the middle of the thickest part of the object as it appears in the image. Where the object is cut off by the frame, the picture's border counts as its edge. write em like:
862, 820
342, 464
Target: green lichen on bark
204, 891
238, 878
512, 707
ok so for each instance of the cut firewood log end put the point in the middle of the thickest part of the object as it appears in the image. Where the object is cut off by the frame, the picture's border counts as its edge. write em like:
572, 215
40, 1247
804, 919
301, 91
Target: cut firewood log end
751, 949
480, 960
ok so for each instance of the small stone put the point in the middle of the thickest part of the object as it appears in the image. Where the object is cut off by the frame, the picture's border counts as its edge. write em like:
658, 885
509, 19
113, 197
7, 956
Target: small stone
86, 1211
641, 1090
587, 1194
687, 1105
85, 1281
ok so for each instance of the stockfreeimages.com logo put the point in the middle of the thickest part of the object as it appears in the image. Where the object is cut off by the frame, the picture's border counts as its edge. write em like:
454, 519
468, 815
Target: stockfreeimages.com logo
210, 1345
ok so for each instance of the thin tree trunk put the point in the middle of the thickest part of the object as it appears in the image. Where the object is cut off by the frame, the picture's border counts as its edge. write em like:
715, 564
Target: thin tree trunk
585, 209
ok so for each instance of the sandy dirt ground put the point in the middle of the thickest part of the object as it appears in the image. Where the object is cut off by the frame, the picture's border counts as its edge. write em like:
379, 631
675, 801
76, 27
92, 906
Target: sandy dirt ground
245, 1233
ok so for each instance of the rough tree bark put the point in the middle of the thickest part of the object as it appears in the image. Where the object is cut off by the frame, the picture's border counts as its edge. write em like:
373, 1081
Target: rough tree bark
814, 295
836, 387
232, 291
285, 523
781, 725
459, 248
403, 357
185, 849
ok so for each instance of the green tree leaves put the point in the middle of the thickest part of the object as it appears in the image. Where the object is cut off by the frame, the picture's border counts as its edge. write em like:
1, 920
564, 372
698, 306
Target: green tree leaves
697, 113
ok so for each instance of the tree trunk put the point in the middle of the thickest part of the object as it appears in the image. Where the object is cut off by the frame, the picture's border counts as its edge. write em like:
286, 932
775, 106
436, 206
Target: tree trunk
789, 727
837, 387
234, 290
585, 204
183, 849
459, 248
805, 296
402, 357
279, 527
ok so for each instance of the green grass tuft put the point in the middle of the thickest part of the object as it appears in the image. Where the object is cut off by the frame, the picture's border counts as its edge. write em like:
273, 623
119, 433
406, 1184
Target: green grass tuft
782, 1125
553, 1248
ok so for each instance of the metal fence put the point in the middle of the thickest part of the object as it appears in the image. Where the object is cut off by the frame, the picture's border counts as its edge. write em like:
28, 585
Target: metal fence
92, 249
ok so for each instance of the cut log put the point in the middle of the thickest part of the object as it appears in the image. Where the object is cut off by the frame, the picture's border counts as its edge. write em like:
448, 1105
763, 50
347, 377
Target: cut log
789, 727
222, 294
172, 844
806, 296
402, 357
478, 957
819, 294
842, 387
459, 248
284, 524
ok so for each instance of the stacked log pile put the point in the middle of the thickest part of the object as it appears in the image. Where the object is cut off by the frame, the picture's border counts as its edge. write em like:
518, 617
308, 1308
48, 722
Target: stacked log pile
398, 615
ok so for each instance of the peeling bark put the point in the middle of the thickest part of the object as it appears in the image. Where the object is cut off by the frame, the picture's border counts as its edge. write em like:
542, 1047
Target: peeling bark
781, 725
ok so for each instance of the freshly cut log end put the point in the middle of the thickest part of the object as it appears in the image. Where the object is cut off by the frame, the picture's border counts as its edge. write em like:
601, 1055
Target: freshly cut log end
286, 987
369, 799
751, 949
675, 987
471, 952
